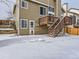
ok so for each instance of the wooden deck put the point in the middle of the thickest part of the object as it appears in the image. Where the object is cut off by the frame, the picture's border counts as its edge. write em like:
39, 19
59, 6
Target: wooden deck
7, 27
55, 24
47, 20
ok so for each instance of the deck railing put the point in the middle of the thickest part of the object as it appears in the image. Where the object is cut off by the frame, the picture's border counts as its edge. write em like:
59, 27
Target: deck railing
58, 28
43, 20
7, 24
47, 20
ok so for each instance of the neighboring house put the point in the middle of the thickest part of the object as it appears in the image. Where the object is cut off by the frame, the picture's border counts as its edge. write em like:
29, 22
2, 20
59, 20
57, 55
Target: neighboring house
28, 13
71, 21
74, 13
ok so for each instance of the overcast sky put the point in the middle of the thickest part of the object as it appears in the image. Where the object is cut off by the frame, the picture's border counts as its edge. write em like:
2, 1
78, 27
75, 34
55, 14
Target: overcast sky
4, 8
72, 3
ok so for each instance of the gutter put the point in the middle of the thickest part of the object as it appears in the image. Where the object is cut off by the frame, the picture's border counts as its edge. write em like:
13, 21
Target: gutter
41, 3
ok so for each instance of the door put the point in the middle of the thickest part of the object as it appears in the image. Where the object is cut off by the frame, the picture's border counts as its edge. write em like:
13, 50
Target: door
31, 27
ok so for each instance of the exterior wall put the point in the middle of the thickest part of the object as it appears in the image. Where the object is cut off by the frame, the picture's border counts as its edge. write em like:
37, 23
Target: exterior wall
41, 30
33, 13
58, 8
43, 1
24, 31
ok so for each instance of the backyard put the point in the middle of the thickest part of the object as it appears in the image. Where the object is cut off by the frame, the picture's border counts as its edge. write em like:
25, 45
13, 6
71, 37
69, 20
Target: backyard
39, 47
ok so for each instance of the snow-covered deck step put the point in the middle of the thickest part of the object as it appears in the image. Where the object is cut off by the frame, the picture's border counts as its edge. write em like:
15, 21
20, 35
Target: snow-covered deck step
7, 31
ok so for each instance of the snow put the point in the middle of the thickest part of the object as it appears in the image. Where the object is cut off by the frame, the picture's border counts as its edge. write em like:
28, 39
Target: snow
75, 11
6, 29
39, 47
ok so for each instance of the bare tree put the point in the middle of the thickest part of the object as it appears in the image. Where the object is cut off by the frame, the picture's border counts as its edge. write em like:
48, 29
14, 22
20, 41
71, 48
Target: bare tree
9, 7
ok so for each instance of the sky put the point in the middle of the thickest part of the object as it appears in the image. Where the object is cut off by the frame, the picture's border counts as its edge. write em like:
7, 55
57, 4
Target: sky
72, 3
4, 8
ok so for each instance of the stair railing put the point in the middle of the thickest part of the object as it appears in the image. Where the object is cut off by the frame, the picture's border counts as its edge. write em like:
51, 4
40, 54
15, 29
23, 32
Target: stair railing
58, 28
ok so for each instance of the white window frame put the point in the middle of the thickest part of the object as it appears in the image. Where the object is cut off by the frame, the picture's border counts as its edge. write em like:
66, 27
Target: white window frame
21, 24
31, 28
24, 2
40, 11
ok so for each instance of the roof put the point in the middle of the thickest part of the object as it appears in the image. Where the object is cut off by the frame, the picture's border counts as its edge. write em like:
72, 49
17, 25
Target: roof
74, 13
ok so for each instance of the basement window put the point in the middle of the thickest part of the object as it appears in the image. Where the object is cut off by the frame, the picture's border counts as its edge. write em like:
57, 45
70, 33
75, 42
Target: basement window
24, 4
24, 23
42, 11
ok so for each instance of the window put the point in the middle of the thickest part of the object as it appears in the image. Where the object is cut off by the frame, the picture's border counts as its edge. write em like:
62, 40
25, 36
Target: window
24, 4
51, 9
24, 23
31, 24
42, 11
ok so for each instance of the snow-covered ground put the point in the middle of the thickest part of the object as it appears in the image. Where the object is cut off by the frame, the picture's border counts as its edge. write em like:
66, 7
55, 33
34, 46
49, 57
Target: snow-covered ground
39, 47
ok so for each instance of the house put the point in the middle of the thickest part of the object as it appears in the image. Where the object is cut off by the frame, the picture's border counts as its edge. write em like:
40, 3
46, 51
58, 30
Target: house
72, 21
73, 13
32, 15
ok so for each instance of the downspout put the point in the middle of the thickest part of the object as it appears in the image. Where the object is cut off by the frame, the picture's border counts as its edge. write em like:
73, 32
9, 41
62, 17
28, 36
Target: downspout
17, 17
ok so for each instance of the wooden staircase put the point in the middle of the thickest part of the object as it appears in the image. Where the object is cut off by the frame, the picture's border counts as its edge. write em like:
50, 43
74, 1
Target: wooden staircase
56, 28
54, 24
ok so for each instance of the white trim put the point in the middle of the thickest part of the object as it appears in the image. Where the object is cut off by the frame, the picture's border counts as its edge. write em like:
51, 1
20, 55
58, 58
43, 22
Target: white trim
24, 2
21, 23
40, 2
32, 29
30, 24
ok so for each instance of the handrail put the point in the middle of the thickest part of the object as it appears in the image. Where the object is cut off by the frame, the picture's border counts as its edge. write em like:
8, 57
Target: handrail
59, 22
54, 30
45, 20
58, 27
53, 24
